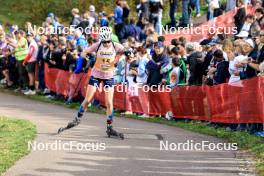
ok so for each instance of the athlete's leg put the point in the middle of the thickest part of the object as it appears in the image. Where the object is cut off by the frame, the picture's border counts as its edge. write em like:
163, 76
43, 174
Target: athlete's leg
91, 89
109, 94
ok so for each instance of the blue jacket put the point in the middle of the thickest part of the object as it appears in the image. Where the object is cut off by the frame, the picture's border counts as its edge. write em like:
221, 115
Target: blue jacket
79, 65
118, 12
130, 30
81, 42
153, 68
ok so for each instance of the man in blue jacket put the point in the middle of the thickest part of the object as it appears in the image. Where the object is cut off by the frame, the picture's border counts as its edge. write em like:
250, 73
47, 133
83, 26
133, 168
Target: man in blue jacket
159, 59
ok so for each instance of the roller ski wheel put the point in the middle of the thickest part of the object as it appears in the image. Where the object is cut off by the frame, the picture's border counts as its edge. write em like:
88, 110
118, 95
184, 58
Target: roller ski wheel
61, 130
112, 133
70, 125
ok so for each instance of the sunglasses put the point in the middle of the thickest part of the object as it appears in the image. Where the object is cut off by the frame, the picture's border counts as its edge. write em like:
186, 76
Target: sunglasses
106, 42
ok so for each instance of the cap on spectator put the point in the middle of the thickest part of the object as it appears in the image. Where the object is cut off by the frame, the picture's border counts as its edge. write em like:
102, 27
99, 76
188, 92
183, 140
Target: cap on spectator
159, 45
242, 34
171, 47
218, 53
205, 42
92, 8
103, 13
250, 42
190, 46
51, 15
212, 43
30, 34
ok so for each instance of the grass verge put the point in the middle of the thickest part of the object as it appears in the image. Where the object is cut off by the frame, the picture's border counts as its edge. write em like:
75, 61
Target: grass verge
14, 137
245, 141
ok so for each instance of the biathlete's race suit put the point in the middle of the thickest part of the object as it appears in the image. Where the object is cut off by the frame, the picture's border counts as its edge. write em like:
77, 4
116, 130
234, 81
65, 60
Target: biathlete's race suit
104, 67
103, 72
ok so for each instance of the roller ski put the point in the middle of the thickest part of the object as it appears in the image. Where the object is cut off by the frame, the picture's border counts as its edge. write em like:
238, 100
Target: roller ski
70, 125
112, 133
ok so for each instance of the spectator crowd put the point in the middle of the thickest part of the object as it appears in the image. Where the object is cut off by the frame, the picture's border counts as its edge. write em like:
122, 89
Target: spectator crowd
215, 60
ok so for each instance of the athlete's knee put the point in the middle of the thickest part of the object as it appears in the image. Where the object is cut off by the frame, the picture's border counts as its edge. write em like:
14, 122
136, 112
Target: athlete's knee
85, 103
109, 104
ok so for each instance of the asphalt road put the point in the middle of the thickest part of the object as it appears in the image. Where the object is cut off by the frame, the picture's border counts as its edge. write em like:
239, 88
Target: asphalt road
139, 154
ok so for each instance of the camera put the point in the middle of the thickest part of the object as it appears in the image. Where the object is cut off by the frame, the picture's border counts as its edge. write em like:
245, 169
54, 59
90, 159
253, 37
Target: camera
128, 52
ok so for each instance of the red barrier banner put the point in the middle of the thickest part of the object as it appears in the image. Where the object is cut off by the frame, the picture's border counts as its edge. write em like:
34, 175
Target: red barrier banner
237, 104
224, 103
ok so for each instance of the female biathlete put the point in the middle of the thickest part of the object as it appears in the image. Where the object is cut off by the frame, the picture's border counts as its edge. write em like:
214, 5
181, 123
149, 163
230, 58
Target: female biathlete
103, 71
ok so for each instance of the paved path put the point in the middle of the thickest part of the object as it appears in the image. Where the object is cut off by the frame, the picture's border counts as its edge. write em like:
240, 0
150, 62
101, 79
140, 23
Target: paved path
137, 155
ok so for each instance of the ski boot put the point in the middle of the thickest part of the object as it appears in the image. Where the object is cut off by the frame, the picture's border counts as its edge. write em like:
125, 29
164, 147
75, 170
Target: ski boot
111, 132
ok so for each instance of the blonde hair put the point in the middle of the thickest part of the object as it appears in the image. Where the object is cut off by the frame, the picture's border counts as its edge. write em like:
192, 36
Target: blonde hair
228, 45
75, 11
86, 15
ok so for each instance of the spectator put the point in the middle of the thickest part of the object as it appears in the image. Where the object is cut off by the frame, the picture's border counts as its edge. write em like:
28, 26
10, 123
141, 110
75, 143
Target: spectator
74, 79
173, 9
126, 10
222, 73
260, 59
196, 4
155, 9
92, 13
143, 13
159, 59
30, 63
130, 30
259, 17
9, 67
68, 60
86, 22
42, 52
176, 72
230, 5
228, 49
195, 60
76, 19
21, 50
54, 21
103, 19
248, 23
143, 59
240, 15
53, 56
118, 15
80, 40
178, 51
185, 19
209, 50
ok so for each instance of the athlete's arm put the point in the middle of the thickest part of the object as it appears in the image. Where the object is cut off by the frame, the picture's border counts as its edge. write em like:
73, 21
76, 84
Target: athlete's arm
90, 49
119, 50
